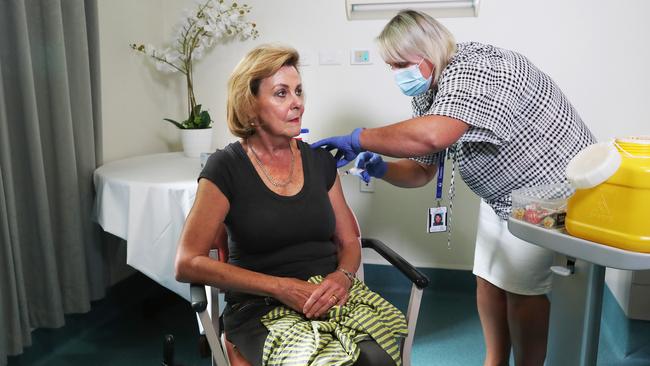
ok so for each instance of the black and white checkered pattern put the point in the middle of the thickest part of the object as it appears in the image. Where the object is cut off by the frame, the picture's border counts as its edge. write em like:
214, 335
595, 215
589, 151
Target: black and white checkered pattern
523, 130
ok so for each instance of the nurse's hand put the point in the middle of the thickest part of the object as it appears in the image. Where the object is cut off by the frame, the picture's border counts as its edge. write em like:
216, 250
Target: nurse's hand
372, 164
348, 146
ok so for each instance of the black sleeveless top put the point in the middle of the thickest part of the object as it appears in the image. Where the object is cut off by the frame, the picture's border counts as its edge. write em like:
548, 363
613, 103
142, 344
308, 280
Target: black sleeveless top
288, 236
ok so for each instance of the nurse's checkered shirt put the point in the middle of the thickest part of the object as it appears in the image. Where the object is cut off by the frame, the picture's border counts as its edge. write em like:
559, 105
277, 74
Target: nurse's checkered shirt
523, 130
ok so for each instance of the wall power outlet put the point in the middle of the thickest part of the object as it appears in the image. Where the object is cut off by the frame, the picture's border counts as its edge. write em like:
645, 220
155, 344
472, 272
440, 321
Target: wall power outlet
367, 187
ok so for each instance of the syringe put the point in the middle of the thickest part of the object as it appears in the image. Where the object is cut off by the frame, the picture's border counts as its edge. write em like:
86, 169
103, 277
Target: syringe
355, 171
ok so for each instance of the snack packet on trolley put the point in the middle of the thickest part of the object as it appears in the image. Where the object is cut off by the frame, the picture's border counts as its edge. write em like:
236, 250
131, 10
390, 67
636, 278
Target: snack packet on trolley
544, 206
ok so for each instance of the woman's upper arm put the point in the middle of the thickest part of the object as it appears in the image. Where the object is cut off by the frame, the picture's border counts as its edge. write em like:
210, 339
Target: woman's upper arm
203, 222
346, 224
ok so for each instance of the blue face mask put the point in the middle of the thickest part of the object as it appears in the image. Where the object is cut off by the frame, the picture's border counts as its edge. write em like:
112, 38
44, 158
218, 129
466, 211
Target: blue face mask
411, 81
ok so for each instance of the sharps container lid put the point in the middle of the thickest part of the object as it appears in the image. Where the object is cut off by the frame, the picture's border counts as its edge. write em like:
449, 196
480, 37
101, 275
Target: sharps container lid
593, 165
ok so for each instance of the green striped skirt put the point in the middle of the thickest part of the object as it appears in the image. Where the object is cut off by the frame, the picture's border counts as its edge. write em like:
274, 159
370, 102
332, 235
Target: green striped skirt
332, 340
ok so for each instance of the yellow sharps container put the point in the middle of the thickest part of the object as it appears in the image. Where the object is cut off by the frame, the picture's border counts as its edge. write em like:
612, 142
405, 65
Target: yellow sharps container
612, 200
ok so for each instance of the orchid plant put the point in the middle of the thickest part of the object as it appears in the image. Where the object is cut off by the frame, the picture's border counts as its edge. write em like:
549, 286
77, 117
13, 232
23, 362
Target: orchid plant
210, 21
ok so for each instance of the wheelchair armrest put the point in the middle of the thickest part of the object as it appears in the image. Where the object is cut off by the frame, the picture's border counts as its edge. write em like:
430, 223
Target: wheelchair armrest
418, 278
198, 297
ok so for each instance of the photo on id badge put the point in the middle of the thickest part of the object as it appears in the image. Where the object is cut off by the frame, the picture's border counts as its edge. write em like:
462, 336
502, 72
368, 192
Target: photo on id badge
437, 219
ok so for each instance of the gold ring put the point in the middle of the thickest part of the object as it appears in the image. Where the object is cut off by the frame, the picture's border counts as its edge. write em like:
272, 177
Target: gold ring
335, 298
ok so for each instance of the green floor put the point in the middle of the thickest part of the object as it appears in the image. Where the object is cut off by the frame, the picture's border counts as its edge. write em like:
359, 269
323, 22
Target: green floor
128, 326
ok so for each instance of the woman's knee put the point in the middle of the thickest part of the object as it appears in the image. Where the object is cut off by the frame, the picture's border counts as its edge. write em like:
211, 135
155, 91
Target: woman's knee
234, 356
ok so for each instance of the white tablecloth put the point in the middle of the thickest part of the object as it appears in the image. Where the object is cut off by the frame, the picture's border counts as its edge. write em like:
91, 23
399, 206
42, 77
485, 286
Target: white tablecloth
145, 200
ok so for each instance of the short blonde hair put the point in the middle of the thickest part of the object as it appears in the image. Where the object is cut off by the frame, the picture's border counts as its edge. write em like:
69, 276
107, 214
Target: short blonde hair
414, 33
261, 62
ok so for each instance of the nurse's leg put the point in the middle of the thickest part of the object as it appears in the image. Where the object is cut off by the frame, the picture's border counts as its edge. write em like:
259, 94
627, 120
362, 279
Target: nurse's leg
528, 321
493, 312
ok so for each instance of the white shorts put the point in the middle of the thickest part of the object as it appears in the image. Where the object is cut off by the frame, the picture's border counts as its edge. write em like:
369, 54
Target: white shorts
508, 262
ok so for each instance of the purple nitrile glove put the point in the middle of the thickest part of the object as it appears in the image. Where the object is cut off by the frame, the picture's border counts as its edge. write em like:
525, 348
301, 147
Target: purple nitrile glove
372, 164
348, 146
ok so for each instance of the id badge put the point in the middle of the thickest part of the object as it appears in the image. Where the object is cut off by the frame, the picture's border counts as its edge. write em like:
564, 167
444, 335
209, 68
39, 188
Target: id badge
437, 220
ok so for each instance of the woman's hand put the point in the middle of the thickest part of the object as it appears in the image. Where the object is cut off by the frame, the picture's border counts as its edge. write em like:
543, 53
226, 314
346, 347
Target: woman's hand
294, 293
332, 291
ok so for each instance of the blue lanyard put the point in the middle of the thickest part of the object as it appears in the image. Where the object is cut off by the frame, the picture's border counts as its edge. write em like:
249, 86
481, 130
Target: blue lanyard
441, 174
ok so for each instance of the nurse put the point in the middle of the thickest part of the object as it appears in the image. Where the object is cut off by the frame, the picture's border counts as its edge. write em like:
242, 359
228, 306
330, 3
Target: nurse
506, 125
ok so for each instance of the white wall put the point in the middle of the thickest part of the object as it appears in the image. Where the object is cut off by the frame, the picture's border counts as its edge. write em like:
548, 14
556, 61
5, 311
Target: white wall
596, 51
135, 96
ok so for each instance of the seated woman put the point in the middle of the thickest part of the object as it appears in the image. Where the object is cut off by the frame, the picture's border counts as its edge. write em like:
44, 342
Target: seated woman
293, 241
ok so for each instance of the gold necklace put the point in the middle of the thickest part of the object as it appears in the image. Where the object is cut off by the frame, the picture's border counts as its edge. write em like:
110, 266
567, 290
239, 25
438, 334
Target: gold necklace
267, 175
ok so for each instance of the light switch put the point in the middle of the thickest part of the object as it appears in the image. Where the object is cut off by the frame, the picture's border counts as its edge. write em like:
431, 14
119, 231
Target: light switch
331, 57
306, 58
360, 57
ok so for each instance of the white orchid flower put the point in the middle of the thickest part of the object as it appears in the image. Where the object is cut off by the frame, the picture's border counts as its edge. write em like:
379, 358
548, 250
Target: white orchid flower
198, 31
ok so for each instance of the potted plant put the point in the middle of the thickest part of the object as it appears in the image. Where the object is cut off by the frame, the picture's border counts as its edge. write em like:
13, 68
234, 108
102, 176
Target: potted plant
210, 21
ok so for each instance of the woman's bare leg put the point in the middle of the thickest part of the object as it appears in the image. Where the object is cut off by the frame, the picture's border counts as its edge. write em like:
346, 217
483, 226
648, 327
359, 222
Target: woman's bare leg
493, 312
235, 358
528, 325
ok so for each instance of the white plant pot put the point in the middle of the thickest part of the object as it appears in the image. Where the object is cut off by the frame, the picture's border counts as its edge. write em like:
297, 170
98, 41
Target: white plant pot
196, 141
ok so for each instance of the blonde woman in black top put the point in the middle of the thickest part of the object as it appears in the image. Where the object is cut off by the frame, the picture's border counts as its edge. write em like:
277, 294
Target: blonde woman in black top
283, 208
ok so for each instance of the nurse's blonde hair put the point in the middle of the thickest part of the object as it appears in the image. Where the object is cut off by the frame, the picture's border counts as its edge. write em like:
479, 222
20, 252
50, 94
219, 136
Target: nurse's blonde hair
414, 33
261, 62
